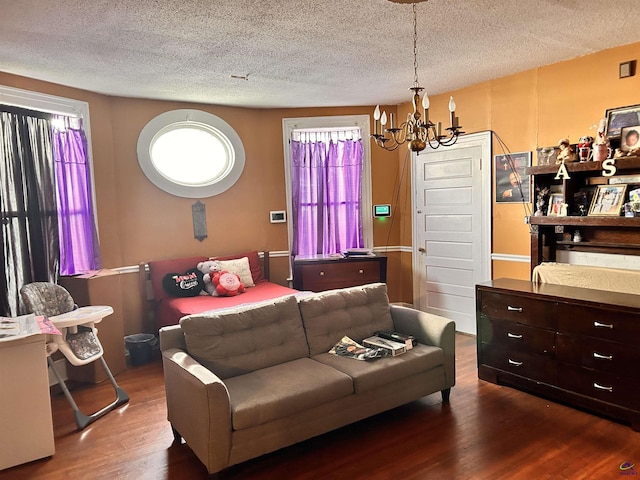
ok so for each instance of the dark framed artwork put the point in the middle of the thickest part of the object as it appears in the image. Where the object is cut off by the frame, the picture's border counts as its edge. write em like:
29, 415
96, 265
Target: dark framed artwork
513, 185
618, 118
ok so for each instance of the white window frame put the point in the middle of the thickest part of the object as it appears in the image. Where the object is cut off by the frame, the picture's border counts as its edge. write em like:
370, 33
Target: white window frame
336, 122
212, 123
70, 107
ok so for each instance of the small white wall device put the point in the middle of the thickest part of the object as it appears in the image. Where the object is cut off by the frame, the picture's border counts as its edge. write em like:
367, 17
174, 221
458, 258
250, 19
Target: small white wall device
381, 211
278, 216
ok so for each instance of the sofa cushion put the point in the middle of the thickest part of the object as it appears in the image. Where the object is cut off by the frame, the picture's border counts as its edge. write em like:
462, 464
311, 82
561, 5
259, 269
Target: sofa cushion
283, 390
356, 312
239, 340
377, 373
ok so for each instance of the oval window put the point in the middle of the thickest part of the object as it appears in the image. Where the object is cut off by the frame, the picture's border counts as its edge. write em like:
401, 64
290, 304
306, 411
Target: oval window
190, 153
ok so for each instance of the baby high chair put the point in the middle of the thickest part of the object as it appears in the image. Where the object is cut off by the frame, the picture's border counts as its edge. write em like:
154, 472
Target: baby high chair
79, 340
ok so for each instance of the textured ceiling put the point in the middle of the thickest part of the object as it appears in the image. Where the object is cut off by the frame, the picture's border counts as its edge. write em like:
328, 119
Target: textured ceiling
297, 53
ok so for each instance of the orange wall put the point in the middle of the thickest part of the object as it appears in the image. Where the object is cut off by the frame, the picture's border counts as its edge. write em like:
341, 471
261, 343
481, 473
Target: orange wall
536, 108
139, 222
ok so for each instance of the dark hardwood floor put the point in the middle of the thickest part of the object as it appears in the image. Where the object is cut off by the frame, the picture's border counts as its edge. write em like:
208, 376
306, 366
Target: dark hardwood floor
486, 432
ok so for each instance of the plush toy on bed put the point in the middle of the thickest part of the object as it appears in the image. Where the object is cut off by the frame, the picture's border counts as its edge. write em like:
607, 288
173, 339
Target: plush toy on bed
227, 284
208, 269
218, 282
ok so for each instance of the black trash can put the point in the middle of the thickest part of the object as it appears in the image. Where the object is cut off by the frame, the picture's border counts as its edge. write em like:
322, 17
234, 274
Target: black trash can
140, 346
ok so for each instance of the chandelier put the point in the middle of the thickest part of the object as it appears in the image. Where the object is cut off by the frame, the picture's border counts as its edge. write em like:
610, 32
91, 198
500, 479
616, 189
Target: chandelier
418, 131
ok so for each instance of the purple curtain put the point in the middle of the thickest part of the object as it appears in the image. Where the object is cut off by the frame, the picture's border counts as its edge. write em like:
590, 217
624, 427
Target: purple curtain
79, 249
326, 196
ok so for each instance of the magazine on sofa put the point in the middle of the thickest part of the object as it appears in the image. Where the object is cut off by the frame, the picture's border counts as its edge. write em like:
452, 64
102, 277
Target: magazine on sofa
349, 348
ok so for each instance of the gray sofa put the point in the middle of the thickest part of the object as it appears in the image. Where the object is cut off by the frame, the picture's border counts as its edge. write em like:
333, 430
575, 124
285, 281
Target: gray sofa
250, 380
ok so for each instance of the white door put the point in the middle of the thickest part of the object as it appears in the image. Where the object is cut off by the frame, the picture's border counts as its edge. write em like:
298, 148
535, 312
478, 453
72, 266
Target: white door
452, 228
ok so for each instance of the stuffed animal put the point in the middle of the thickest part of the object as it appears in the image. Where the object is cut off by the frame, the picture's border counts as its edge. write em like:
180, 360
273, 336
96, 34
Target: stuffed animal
227, 284
209, 268
567, 153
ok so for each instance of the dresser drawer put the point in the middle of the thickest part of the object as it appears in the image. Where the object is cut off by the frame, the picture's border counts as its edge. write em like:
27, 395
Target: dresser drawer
601, 355
325, 275
530, 365
600, 385
366, 272
531, 311
600, 323
515, 336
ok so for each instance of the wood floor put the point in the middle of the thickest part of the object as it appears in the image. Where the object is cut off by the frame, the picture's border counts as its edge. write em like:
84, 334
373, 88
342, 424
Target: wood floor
486, 432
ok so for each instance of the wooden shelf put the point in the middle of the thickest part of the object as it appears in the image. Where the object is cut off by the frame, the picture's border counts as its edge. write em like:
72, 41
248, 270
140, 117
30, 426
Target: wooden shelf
622, 164
600, 234
587, 221
591, 245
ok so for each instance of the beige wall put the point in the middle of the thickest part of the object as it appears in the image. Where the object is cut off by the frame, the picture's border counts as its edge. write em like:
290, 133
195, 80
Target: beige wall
138, 222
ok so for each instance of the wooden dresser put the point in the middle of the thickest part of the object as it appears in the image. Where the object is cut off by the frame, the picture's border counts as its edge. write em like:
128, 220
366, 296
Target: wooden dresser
319, 273
575, 345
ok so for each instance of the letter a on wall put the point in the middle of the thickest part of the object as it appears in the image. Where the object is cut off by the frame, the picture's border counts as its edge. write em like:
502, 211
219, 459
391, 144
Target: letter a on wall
562, 174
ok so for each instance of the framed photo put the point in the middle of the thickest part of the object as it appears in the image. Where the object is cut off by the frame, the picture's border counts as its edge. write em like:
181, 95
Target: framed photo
630, 138
608, 200
547, 155
618, 118
556, 204
513, 185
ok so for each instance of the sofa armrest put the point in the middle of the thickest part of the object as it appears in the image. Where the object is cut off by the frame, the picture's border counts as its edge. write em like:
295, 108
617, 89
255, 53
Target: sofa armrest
429, 329
198, 408
172, 337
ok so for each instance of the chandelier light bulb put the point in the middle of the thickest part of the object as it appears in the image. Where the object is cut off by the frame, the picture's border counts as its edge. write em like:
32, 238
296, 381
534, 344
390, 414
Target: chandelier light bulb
452, 105
383, 119
376, 113
425, 102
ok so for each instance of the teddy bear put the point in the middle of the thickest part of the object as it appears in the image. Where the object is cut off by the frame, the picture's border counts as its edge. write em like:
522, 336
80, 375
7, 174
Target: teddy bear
218, 282
208, 269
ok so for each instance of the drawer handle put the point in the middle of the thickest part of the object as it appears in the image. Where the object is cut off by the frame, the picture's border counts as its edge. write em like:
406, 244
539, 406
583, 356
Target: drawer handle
602, 357
322, 274
513, 335
361, 271
602, 387
602, 325
515, 364
514, 309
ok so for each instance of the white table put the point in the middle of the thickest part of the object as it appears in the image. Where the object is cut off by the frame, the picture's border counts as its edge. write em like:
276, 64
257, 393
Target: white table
25, 404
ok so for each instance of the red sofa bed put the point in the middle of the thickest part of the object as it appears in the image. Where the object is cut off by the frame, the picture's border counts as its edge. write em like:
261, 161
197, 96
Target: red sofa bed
169, 310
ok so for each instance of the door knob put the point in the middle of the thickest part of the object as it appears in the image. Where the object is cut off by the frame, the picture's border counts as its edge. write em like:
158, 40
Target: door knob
422, 250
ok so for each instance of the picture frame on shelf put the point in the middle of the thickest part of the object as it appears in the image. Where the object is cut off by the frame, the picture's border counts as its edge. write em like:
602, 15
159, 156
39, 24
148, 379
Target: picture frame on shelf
556, 206
618, 118
608, 200
581, 202
512, 185
547, 155
630, 138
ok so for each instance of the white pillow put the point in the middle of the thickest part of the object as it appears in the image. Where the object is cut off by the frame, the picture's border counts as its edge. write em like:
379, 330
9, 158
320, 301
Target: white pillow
240, 267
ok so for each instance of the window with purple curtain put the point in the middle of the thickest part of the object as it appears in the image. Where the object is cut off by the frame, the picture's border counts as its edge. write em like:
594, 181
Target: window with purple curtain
326, 175
79, 249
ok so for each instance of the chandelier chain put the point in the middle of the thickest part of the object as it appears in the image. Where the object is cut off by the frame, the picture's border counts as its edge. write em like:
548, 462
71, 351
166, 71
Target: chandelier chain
415, 47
